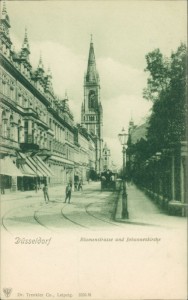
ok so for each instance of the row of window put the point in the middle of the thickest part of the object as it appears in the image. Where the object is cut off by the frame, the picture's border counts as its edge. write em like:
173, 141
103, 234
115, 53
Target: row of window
28, 134
90, 118
16, 92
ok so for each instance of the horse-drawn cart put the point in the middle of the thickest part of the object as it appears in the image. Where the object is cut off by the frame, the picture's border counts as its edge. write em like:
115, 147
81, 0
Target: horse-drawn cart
108, 181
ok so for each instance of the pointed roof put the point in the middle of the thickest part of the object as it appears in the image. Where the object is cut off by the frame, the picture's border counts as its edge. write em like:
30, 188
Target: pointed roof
105, 146
49, 73
40, 65
66, 96
92, 74
131, 122
25, 51
4, 10
4, 14
25, 41
91, 59
49, 86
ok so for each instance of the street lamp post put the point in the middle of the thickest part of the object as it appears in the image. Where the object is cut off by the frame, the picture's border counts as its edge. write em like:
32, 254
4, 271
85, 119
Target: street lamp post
123, 137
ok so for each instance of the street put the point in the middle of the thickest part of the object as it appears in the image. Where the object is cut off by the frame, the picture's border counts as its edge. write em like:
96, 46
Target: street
83, 240
90, 208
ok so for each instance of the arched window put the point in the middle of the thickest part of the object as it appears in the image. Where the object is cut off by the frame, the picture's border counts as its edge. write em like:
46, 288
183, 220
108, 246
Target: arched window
19, 131
4, 85
26, 131
5, 125
12, 135
12, 92
33, 133
91, 99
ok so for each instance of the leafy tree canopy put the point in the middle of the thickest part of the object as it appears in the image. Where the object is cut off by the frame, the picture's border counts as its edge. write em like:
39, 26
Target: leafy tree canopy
166, 87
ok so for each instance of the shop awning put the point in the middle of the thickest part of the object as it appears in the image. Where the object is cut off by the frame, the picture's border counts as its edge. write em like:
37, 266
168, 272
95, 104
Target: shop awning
7, 167
32, 165
38, 167
43, 166
27, 171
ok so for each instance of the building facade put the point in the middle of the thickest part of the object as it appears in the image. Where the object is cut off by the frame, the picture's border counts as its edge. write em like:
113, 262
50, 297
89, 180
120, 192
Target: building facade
37, 131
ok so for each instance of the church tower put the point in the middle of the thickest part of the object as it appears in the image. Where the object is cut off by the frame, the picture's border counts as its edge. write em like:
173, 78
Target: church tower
91, 112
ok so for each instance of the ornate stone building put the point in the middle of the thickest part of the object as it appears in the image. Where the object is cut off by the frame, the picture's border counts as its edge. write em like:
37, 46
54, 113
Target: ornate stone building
37, 131
91, 111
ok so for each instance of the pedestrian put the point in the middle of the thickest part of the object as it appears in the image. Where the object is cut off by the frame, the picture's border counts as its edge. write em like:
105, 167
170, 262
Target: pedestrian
76, 185
68, 193
80, 185
45, 191
36, 187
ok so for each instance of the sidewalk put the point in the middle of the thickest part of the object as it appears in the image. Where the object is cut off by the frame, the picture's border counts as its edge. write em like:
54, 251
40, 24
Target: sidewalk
143, 211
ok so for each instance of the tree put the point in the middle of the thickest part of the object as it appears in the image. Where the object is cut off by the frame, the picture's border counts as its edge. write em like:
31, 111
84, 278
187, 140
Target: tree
167, 89
158, 79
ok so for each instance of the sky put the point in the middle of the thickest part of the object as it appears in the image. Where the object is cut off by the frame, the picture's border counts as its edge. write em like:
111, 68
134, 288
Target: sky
123, 33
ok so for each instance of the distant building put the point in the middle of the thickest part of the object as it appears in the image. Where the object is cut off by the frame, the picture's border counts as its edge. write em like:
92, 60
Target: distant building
136, 134
106, 158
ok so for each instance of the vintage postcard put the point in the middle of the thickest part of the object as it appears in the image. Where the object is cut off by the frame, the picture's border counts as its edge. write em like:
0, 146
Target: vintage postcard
93, 154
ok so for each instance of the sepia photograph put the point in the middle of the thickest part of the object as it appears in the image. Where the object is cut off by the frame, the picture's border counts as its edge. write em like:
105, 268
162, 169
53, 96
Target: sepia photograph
93, 149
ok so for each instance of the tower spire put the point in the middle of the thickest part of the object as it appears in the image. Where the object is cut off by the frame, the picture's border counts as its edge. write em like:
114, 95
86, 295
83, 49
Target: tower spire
4, 10
49, 86
91, 110
49, 73
25, 41
25, 51
4, 16
91, 59
91, 75
40, 65
66, 96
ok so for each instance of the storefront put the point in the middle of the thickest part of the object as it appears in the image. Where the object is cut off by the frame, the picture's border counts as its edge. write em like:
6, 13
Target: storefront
8, 173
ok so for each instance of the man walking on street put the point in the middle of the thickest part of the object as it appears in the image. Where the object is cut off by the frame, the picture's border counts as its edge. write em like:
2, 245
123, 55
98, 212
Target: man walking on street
80, 186
68, 193
45, 191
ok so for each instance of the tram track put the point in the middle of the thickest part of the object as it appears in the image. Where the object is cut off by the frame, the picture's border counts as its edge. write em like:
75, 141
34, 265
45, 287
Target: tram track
94, 216
41, 220
70, 220
88, 213
6, 217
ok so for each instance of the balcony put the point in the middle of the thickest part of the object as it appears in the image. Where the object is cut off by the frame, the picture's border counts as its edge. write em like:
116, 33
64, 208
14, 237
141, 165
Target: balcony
30, 112
29, 147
